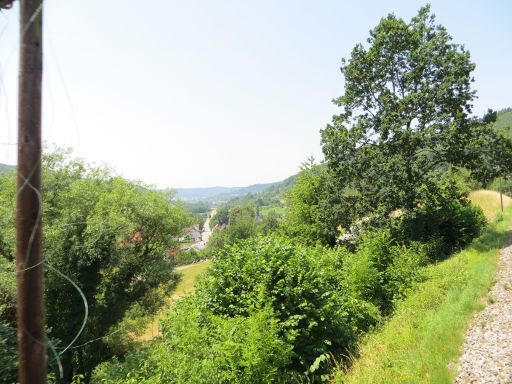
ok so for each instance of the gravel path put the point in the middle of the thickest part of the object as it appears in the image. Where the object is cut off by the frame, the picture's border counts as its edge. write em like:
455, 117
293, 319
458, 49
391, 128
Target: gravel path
487, 354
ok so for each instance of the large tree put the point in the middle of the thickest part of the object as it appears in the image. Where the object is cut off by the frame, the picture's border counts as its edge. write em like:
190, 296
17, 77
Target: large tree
406, 114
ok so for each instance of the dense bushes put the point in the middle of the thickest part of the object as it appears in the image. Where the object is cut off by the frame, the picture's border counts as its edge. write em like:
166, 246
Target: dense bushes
268, 306
304, 291
445, 222
380, 271
188, 257
7, 292
238, 222
199, 347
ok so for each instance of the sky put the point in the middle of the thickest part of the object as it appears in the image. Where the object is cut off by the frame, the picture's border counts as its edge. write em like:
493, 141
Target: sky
207, 93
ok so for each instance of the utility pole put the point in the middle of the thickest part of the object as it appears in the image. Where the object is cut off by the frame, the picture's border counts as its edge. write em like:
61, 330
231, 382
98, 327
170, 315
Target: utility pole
29, 259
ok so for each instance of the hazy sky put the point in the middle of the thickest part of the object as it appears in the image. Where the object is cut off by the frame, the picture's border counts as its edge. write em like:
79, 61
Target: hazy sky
202, 93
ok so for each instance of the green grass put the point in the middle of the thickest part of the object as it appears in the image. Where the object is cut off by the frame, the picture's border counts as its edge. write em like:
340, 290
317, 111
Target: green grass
421, 342
266, 209
189, 274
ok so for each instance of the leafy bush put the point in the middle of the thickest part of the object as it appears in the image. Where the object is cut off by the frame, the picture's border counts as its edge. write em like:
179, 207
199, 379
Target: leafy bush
403, 272
308, 218
381, 272
444, 228
303, 287
188, 257
198, 347
502, 185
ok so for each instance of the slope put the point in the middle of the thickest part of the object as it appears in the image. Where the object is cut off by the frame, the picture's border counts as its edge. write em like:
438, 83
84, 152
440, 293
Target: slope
422, 340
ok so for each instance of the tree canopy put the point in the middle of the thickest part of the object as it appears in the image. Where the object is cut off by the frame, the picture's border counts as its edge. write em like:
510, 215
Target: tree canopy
406, 113
109, 237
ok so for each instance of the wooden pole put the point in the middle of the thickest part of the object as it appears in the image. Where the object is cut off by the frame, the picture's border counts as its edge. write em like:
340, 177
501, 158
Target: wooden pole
31, 332
501, 196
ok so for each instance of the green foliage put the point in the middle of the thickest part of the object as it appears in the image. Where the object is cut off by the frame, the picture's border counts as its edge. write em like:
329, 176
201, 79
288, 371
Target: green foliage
197, 207
221, 217
445, 222
6, 168
503, 123
7, 209
8, 355
271, 222
406, 115
403, 272
107, 235
271, 197
306, 201
503, 185
425, 335
240, 223
199, 347
7, 292
380, 271
303, 287
188, 257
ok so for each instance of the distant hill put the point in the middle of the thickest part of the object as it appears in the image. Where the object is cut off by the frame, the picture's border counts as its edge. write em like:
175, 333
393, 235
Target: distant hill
220, 193
6, 168
503, 122
224, 194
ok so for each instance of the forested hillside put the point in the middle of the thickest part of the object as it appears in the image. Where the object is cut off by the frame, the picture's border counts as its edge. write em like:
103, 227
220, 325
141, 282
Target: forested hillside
503, 122
223, 194
5, 168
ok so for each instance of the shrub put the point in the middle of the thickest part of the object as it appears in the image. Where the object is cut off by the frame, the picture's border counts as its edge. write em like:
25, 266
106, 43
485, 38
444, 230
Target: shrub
302, 286
381, 272
198, 347
443, 228
188, 257
403, 272
446, 220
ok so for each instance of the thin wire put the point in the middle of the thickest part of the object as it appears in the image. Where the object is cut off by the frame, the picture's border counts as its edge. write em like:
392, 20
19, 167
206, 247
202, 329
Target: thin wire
33, 18
98, 338
74, 247
26, 182
84, 299
56, 357
38, 221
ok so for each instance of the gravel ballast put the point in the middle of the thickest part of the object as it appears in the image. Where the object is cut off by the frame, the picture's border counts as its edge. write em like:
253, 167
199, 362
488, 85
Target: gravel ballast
487, 356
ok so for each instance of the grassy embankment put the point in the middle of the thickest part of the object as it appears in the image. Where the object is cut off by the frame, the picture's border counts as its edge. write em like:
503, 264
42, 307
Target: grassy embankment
186, 285
422, 340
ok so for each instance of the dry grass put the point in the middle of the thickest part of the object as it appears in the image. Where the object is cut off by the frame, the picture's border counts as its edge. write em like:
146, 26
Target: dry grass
489, 201
185, 286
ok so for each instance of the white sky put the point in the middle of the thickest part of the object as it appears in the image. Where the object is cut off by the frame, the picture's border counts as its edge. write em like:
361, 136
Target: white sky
203, 93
